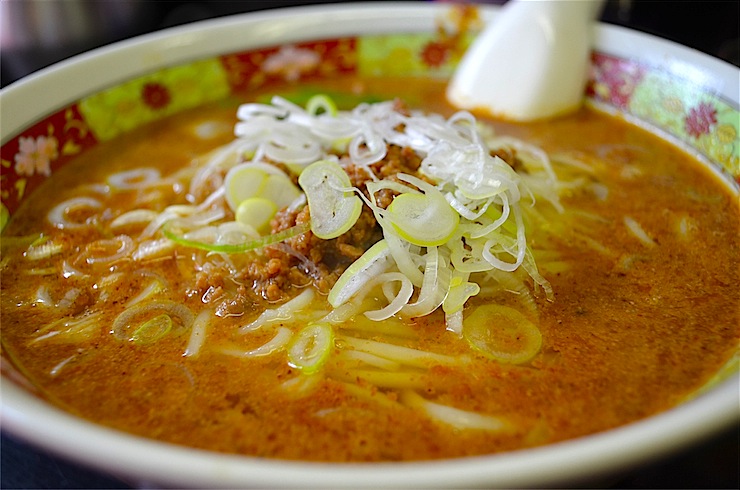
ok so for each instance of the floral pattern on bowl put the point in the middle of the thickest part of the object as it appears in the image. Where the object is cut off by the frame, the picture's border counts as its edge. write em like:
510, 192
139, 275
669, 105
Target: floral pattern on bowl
151, 97
27, 159
696, 117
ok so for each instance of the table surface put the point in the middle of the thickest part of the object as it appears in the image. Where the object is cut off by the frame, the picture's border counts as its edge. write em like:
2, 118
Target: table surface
709, 26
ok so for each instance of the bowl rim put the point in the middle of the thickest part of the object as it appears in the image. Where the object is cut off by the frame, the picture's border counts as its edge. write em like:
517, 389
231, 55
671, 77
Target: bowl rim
128, 456
113, 63
145, 460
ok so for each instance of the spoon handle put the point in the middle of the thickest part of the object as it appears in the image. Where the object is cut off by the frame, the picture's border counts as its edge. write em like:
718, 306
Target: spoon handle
531, 62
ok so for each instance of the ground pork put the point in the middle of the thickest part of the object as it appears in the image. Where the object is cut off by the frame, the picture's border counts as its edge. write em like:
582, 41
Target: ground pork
306, 258
277, 272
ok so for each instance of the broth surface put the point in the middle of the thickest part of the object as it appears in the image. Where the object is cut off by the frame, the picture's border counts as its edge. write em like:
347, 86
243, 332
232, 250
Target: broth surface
633, 329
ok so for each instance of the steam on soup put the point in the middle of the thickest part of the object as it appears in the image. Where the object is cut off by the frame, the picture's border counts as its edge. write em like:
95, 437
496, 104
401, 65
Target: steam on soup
373, 283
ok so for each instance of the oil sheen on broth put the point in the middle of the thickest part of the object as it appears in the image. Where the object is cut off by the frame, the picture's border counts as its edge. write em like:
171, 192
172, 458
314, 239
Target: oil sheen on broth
631, 308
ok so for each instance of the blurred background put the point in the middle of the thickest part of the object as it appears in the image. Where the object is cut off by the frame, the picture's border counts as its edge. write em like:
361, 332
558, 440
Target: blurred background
38, 33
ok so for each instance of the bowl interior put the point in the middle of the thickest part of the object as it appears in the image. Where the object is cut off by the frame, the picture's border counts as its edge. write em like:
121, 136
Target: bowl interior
684, 95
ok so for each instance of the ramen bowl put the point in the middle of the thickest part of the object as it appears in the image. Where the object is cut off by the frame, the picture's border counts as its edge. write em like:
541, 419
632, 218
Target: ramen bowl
687, 97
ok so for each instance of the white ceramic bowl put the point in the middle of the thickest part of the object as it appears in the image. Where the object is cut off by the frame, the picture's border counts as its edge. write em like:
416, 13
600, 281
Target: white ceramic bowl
632, 73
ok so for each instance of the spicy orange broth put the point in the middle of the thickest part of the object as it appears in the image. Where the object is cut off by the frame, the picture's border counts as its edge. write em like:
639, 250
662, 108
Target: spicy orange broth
619, 342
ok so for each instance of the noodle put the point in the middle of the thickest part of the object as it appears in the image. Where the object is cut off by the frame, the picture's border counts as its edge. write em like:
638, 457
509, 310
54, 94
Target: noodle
377, 282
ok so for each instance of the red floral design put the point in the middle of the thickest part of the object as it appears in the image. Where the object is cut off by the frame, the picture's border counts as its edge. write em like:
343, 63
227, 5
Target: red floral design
291, 62
28, 158
155, 95
448, 43
700, 119
613, 80
434, 54
245, 70
35, 155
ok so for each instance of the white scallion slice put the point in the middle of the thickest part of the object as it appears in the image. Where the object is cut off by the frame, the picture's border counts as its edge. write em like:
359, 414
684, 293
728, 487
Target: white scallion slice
198, 333
149, 249
370, 264
43, 248
423, 219
638, 231
259, 180
334, 206
256, 212
71, 329
435, 285
502, 333
311, 347
155, 286
108, 250
281, 313
397, 299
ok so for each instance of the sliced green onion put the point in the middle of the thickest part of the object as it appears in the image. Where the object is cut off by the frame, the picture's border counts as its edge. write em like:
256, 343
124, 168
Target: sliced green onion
4, 216
460, 291
334, 206
150, 249
423, 219
304, 94
156, 285
152, 330
105, 251
127, 321
321, 103
397, 297
71, 329
502, 334
256, 179
43, 248
638, 231
43, 297
435, 286
311, 347
198, 333
371, 263
255, 244
407, 257
256, 212
282, 313
454, 322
